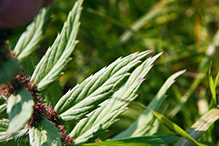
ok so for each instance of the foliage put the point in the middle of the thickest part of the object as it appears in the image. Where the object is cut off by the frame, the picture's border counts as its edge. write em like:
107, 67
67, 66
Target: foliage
35, 112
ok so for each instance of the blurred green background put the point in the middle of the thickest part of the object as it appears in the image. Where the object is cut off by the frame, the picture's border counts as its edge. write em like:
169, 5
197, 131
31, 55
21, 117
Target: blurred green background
184, 30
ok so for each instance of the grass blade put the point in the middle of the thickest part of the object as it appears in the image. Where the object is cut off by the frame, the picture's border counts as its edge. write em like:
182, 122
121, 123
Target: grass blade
139, 141
200, 127
174, 127
145, 121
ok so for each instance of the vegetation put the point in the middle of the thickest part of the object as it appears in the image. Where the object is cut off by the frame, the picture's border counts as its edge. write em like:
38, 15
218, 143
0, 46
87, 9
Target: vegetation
56, 90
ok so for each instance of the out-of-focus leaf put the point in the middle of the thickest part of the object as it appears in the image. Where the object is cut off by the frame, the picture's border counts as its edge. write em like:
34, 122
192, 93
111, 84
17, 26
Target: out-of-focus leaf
30, 39
4, 124
106, 115
156, 124
174, 127
158, 9
8, 70
20, 110
139, 141
52, 94
56, 57
201, 69
45, 134
29, 64
200, 127
146, 120
3, 133
16, 143
86, 97
55, 93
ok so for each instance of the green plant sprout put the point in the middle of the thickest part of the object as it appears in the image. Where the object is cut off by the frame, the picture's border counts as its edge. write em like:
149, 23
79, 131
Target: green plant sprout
79, 117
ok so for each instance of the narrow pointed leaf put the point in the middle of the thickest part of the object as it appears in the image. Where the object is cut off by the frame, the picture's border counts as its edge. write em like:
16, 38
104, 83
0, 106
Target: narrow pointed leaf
146, 120
156, 124
213, 86
200, 127
30, 39
20, 110
56, 57
174, 127
139, 141
211, 82
216, 80
110, 109
86, 97
45, 134
213, 92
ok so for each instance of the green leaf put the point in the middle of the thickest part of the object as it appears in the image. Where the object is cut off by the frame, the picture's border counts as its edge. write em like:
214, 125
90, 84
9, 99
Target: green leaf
30, 39
8, 70
201, 126
216, 80
213, 86
45, 134
86, 97
139, 141
174, 127
52, 94
4, 124
20, 110
213, 92
106, 115
156, 124
56, 57
146, 120
3, 133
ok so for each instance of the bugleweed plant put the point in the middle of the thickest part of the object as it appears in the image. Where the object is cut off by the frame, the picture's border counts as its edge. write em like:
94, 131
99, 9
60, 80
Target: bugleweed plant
32, 113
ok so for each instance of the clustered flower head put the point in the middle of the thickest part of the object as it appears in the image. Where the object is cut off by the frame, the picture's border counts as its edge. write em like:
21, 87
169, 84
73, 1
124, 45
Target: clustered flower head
19, 82
40, 110
16, 13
